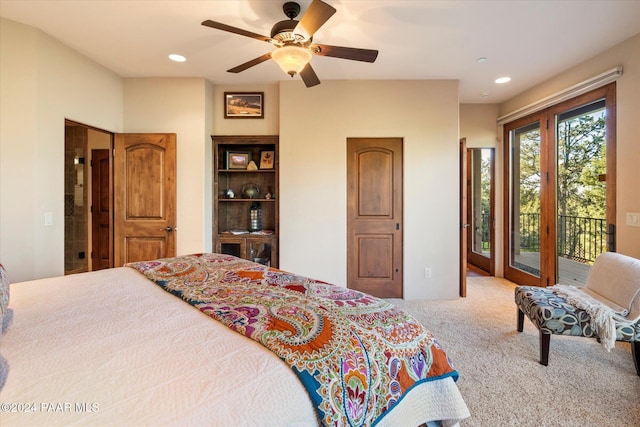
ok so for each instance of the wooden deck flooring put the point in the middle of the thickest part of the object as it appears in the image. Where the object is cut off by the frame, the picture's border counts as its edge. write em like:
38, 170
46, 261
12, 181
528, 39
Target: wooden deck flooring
571, 272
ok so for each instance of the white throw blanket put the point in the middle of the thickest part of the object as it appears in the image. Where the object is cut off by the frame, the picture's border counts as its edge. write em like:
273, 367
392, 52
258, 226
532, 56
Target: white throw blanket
602, 316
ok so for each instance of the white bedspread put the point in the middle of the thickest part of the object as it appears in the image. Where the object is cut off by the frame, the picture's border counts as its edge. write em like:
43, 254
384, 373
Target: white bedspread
112, 348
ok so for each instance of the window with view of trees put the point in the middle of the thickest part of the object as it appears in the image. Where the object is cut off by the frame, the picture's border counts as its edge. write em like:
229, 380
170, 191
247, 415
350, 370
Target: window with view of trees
560, 194
581, 192
485, 197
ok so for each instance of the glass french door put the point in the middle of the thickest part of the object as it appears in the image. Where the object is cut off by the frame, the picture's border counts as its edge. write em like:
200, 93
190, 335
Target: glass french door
480, 197
581, 190
523, 258
559, 195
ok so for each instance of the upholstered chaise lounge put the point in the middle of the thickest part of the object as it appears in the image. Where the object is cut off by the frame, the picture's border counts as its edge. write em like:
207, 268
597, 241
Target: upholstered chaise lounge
607, 308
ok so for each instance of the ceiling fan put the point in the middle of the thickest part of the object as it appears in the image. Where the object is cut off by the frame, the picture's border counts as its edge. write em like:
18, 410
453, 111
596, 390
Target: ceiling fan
293, 42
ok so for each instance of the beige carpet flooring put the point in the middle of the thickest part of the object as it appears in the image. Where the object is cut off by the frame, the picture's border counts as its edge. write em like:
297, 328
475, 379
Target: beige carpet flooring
500, 377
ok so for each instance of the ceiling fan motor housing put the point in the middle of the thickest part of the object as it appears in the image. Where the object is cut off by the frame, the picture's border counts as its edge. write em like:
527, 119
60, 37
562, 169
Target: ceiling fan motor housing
283, 31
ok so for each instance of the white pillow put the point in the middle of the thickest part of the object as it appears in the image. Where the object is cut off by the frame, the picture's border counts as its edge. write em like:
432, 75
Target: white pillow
4, 293
617, 278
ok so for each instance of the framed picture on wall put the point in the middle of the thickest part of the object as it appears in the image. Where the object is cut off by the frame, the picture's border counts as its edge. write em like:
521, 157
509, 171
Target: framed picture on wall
244, 105
266, 159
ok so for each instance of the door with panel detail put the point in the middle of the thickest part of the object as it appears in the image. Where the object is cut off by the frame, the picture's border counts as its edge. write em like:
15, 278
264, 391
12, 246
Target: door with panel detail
144, 197
100, 209
374, 216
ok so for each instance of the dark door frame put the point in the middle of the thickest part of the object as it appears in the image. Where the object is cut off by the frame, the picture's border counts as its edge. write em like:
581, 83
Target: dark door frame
68, 122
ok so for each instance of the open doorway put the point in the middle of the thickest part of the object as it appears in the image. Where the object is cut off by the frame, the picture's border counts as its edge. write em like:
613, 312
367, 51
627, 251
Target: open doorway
480, 206
82, 143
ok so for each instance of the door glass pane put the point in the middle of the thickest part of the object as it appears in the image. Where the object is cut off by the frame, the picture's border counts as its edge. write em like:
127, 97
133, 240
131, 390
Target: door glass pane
524, 205
260, 252
581, 192
481, 201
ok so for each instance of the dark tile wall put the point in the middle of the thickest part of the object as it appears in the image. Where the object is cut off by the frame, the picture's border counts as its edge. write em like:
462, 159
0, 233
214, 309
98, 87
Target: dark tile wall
76, 255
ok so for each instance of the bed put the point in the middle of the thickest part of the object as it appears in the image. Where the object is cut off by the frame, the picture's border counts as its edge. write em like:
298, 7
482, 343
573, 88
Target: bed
185, 341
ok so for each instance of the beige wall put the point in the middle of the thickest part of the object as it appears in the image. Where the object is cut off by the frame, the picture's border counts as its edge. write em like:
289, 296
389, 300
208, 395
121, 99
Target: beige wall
178, 105
313, 170
626, 54
478, 126
270, 125
314, 126
42, 83
211, 111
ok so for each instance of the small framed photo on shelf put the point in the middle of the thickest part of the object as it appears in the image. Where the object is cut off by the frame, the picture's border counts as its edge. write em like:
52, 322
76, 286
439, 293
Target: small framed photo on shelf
244, 105
266, 159
238, 159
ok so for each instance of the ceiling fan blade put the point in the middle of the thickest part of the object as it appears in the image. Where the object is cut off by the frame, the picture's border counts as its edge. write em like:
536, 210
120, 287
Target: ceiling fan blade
234, 30
355, 54
309, 76
314, 17
250, 64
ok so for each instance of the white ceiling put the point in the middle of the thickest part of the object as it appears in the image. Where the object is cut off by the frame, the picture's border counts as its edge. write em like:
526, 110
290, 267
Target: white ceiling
530, 41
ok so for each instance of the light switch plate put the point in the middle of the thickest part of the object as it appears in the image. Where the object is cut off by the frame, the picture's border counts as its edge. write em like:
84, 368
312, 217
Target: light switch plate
48, 219
633, 219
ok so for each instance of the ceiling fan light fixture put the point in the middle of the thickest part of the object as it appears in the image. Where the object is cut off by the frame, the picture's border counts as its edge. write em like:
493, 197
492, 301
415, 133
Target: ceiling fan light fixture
292, 59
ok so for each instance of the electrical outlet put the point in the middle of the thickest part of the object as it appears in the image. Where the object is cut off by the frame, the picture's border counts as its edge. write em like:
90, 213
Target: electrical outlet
427, 273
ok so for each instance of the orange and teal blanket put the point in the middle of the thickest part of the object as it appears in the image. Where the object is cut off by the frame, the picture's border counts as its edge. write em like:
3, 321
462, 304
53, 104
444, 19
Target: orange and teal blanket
355, 354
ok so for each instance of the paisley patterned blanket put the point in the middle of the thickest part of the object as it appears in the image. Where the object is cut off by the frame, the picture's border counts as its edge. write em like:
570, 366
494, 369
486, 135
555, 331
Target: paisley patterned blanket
355, 354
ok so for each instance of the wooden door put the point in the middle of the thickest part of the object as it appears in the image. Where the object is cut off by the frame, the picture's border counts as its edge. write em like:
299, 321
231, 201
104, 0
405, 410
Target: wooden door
144, 197
100, 210
464, 225
374, 216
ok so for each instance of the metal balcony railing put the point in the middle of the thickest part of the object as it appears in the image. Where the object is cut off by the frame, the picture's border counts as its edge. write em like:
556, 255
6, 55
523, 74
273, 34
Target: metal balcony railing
580, 239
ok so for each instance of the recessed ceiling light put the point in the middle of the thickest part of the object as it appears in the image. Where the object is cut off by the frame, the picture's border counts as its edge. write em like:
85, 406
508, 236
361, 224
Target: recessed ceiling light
177, 58
481, 59
503, 80
484, 94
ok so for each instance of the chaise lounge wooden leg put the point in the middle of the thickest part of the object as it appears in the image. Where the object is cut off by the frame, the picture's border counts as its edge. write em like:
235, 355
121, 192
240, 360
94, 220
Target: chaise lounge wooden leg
635, 352
544, 348
520, 320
